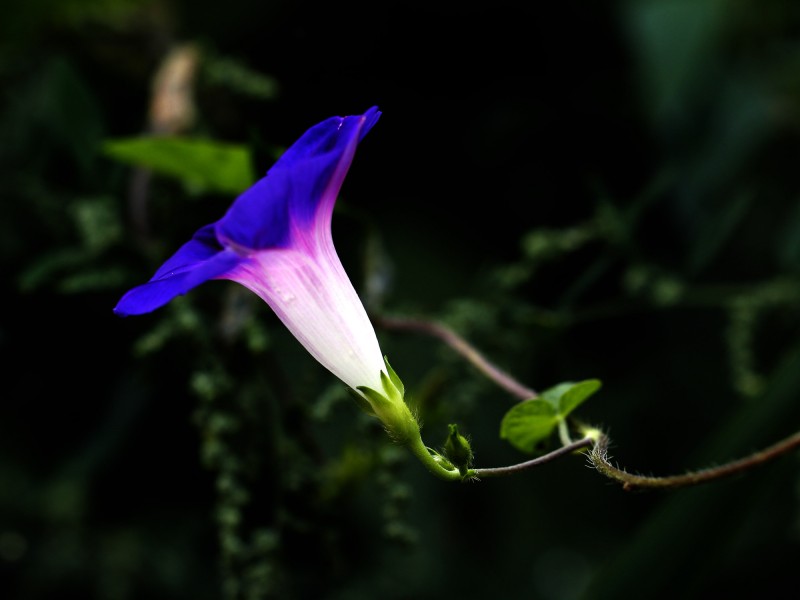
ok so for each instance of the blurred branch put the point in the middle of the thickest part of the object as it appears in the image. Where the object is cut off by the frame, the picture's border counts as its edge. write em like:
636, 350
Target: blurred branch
171, 111
462, 347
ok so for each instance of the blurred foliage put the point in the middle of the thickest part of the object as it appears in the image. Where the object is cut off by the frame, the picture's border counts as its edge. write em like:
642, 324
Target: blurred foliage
605, 190
201, 164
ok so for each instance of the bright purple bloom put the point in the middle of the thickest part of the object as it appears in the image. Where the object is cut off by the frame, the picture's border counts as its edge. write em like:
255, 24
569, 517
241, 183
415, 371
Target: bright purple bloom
276, 240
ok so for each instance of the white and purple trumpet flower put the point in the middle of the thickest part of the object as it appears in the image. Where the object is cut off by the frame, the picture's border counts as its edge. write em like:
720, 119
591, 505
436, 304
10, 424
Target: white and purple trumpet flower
276, 241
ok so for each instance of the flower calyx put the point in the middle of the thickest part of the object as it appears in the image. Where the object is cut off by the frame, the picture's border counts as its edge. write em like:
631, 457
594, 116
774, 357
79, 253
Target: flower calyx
389, 406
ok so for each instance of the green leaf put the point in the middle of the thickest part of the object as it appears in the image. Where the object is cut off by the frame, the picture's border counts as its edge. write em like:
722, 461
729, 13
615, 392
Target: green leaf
566, 397
532, 422
199, 163
553, 395
576, 395
529, 423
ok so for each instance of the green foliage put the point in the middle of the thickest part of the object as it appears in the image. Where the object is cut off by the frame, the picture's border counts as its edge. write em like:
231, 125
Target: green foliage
566, 397
78, 267
202, 165
234, 75
529, 424
675, 42
56, 107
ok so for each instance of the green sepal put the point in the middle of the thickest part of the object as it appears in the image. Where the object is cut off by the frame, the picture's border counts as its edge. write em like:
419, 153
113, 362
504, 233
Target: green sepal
394, 378
376, 399
457, 449
391, 392
393, 412
362, 402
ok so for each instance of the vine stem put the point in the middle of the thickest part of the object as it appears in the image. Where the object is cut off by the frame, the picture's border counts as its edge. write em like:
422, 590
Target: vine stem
631, 482
529, 464
430, 461
598, 442
462, 347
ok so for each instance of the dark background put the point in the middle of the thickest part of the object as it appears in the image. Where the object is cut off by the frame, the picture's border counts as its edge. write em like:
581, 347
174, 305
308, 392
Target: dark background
582, 189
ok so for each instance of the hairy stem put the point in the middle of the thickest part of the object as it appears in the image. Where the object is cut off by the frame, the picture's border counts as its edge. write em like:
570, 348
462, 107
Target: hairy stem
630, 482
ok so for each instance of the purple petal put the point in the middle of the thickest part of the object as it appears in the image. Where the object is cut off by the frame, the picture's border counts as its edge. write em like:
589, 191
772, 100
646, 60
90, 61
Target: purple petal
197, 261
304, 182
290, 206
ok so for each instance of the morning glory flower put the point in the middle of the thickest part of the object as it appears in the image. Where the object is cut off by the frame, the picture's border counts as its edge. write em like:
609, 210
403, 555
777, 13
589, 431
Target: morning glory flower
276, 241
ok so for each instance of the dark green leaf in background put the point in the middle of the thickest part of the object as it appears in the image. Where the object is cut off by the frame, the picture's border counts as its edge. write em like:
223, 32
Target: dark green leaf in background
204, 164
